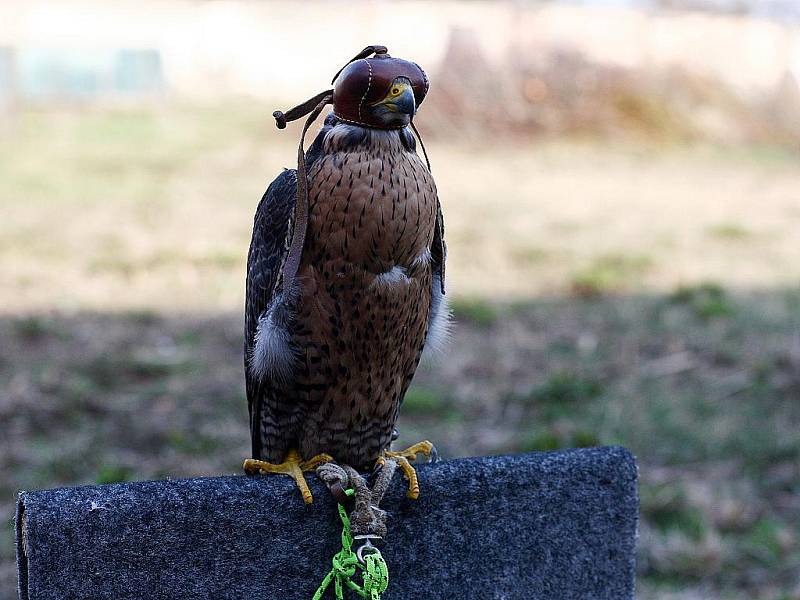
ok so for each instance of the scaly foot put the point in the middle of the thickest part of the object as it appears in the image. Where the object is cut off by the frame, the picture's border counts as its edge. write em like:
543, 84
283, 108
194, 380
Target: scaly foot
403, 457
293, 466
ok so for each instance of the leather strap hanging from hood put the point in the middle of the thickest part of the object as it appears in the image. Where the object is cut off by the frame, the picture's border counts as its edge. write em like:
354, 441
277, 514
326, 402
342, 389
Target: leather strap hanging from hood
313, 107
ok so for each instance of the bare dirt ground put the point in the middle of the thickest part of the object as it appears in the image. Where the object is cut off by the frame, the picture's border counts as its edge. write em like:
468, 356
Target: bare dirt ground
604, 294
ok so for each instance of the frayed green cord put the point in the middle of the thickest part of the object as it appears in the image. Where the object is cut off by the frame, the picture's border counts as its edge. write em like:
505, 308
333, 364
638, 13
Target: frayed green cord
375, 573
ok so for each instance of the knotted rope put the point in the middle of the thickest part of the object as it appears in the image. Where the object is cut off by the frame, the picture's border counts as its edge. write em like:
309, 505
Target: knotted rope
375, 575
367, 519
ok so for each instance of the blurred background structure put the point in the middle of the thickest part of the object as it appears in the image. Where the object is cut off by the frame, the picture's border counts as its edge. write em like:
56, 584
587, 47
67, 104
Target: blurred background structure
622, 196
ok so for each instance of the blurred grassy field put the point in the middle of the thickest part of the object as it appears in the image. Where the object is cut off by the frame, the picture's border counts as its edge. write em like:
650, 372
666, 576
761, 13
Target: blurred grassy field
604, 293
108, 209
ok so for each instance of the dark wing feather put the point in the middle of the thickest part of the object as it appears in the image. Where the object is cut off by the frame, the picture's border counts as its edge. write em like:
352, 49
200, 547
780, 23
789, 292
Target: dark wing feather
268, 250
439, 251
440, 314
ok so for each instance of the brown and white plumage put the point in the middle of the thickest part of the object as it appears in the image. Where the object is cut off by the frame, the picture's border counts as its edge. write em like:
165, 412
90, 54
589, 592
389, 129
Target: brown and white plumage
328, 362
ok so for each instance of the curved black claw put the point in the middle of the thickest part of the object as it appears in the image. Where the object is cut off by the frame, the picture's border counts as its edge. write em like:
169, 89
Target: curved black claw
375, 470
434, 457
337, 491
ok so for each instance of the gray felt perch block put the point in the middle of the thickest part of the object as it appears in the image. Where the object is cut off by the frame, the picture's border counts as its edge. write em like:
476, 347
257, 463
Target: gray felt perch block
537, 526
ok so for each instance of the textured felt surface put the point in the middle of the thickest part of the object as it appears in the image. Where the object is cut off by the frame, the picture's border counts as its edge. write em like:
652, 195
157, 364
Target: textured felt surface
554, 525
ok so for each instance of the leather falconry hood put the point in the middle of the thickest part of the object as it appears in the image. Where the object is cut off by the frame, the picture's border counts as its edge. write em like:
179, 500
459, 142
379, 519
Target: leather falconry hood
364, 80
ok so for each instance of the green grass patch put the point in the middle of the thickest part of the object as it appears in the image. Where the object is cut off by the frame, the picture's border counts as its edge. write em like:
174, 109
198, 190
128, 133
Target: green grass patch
609, 274
422, 401
543, 441
109, 372
192, 443
767, 541
566, 387
552, 439
478, 312
30, 328
707, 300
666, 508
113, 474
144, 317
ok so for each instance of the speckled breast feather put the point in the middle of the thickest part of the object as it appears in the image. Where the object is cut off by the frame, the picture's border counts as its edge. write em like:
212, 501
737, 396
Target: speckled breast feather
365, 293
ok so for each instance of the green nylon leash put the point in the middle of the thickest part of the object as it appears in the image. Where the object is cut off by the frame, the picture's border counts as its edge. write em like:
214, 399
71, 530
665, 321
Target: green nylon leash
375, 574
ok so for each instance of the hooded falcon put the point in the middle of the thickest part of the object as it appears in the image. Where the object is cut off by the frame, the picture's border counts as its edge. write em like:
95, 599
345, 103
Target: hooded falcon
345, 279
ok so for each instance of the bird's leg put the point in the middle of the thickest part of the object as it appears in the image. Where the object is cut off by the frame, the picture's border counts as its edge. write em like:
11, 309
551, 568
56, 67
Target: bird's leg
293, 466
403, 458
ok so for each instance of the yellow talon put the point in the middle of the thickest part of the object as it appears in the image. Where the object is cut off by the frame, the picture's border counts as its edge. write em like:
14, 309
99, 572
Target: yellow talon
293, 466
403, 457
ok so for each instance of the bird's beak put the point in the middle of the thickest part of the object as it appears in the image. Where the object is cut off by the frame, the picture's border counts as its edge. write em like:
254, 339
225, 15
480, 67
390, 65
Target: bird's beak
403, 103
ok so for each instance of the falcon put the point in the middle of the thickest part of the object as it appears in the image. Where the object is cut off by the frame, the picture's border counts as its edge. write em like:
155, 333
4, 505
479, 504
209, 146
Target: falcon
345, 279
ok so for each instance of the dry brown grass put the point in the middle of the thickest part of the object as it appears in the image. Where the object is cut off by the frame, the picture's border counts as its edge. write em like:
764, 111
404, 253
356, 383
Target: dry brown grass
115, 210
